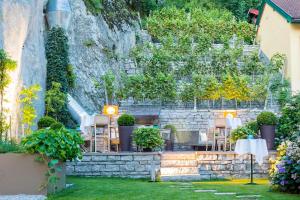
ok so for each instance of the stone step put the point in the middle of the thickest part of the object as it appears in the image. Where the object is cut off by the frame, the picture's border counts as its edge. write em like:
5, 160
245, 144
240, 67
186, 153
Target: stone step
185, 177
179, 170
179, 163
179, 156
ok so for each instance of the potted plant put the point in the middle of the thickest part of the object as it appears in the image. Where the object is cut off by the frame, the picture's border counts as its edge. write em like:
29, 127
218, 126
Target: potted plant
126, 126
267, 122
147, 138
54, 147
242, 132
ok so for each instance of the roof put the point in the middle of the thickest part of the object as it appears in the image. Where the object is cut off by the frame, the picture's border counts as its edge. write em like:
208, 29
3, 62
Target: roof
289, 9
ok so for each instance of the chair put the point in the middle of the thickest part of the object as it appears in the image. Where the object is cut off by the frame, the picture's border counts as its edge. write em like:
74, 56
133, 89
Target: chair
114, 133
221, 127
100, 132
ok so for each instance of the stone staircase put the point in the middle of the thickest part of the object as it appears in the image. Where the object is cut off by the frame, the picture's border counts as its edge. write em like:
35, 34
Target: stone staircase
179, 166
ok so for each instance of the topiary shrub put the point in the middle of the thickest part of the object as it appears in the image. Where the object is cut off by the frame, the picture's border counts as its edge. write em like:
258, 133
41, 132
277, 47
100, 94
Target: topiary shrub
126, 120
147, 138
241, 133
57, 126
285, 170
267, 118
46, 122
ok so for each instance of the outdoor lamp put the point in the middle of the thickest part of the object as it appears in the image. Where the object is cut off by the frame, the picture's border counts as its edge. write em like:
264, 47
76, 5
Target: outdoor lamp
110, 110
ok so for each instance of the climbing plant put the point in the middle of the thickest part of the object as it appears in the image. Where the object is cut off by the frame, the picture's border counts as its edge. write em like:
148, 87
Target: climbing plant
6, 65
59, 72
28, 113
56, 102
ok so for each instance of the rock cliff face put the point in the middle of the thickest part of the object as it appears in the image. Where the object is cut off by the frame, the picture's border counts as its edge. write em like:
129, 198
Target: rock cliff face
94, 49
22, 37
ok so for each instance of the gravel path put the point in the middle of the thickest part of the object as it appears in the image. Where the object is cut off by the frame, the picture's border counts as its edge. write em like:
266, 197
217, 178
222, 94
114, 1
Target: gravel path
23, 197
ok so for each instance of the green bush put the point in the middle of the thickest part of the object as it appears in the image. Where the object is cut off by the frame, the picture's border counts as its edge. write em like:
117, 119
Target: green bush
46, 122
266, 118
9, 146
57, 126
172, 127
285, 169
147, 138
289, 122
126, 120
60, 144
252, 125
241, 133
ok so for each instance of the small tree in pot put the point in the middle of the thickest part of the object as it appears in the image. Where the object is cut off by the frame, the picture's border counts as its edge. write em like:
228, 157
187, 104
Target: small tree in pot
126, 126
267, 122
148, 138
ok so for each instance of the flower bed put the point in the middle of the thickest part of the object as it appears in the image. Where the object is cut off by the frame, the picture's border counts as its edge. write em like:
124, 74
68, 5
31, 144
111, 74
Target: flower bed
285, 172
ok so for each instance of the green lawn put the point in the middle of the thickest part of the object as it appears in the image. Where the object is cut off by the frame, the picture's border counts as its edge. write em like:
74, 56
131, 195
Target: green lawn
118, 189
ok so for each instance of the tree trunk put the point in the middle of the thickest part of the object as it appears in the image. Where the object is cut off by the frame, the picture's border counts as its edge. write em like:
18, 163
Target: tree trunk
195, 103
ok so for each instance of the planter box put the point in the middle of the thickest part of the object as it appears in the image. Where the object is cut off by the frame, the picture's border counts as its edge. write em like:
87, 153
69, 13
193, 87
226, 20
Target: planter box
22, 174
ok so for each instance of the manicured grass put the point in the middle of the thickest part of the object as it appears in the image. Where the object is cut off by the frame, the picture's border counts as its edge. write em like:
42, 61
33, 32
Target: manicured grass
118, 189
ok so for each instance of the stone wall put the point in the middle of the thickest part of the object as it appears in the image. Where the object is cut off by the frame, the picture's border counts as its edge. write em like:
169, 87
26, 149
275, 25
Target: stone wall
229, 165
195, 120
200, 165
132, 165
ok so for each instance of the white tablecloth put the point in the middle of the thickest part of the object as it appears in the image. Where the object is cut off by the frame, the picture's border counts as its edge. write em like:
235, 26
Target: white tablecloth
257, 147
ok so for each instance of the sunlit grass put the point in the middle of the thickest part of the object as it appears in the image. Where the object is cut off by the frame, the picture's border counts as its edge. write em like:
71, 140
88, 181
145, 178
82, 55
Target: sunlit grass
119, 189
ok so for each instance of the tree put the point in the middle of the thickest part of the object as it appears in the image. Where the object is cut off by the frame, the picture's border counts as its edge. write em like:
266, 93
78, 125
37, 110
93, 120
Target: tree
28, 113
56, 102
6, 65
212, 89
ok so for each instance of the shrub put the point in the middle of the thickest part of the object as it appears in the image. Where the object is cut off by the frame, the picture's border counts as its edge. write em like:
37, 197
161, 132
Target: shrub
46, 122
9, 146
126, 120
241, 133
147, 138
289, 122
285, 170
57, 126
252, 125
60, 144
172, 127
266, 118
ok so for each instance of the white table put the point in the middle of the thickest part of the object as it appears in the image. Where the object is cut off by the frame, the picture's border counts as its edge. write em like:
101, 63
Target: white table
257, 147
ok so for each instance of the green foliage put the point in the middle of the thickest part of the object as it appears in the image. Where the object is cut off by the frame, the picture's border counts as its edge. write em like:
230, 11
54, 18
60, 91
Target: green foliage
6, 66
285, 169
171, 127
94, 6
71, 76
60, 144
144, 7
147, 138
89, 43
57, 58
57, 126
46, 122
56, 102
241, 133
126, 120
10, 146
289, 122
266, 118
252, 125
27, 96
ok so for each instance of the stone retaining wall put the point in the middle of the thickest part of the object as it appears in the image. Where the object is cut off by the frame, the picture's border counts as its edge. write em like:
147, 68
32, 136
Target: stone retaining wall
230, 165
191, 120
210, 165
132, 165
